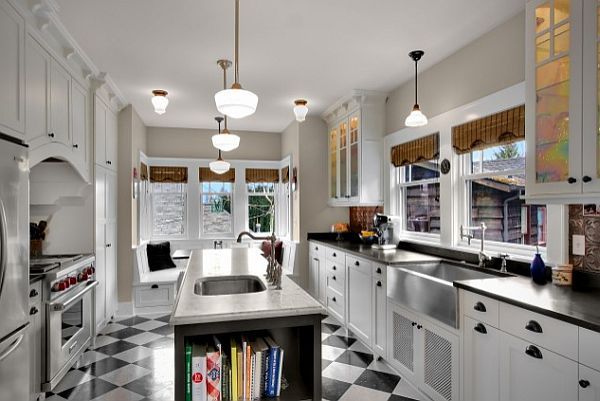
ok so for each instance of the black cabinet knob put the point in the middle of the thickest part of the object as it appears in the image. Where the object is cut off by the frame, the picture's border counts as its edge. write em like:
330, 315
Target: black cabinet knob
480, 307
357, 263
51, 135
378, 283
533, 352
333, 277
75, 146
316, 248
333, 299
378, 271
533, 326
154, 286
33, 310
334, 268
419, 327
480, 328
584, 383
33, 293
334, 255
414, 324
571, 180
586, 178
108, 162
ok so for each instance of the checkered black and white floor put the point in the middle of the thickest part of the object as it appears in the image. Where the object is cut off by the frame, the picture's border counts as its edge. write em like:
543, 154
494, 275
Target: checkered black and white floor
133, 361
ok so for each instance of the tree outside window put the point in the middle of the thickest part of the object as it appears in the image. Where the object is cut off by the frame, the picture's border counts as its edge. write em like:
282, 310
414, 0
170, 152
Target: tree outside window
261, 206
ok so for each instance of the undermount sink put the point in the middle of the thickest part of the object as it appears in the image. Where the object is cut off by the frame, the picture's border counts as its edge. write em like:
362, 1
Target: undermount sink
227, 285
428, 287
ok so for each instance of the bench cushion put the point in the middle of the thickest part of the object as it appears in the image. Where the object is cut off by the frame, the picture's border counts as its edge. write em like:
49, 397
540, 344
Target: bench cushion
159, 256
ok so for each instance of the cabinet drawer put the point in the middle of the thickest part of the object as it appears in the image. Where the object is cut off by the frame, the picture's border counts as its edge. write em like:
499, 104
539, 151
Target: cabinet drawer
154, 295
336, 304
589, 348
481, 308
362, 265
336, 268
335, 256
313, 247
379, 272
552, 334
336, 282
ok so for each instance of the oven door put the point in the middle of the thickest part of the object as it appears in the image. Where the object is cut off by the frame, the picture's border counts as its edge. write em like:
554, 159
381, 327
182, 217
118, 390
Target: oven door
69, 322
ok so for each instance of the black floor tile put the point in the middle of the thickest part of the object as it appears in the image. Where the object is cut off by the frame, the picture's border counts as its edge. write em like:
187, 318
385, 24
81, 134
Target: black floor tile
164, 318
339, 342
164, 330
325, 363
329, 328
132, 321
115, 348
148, 385
125, 333
378, 380
103, 366
165, 342
88, 390
354, 358
332, 389
395, 397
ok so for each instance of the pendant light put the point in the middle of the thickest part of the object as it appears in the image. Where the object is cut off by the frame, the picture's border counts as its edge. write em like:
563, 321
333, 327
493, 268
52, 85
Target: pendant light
300, 109
225, 140
160, 101
236, 102
219, 166
416, 118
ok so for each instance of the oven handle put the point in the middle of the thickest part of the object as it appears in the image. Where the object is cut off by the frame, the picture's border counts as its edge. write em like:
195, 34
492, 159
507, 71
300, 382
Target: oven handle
60, 306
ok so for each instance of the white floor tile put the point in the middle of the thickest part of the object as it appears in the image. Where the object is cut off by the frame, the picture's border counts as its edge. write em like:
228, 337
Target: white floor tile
331, 353
134, 354
344, 333
381, 366
143, 338
101, 341
405, 389
359, 347
55, 397
119, 394
126, 374
91, 357
112, 327
360, 393
149, 325
72, 379
324, 336
342, 372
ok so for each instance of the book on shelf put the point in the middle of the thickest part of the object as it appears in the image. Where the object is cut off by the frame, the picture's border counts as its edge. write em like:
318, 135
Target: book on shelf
188, 372
225, 377
260, 349
198, 372
234, 369
213, 371
279, 372
271, 385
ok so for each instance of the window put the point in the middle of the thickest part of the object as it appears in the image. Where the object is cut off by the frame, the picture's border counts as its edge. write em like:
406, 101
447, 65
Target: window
494, 184
168, 209
216, 204
420, 194
261, 206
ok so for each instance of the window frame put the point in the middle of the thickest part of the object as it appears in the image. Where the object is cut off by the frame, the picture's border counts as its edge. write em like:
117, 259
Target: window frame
201, 233
184, 234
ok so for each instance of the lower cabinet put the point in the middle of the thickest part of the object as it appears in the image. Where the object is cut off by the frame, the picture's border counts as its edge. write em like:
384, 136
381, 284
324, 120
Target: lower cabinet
317, 274
379, 314
480, 361
589, 384
313, 275
360, 300
35, 341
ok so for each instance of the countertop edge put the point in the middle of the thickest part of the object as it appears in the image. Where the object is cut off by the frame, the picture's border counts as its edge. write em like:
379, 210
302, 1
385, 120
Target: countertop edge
247, 316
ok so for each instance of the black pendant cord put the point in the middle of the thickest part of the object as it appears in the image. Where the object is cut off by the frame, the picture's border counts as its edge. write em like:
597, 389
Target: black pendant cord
416, 84
237, 40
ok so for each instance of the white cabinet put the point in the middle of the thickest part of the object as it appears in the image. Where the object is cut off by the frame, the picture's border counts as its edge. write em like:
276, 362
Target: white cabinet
317, 281
100, 267
12, 71
111, 269
105, 134
529, 372
480, 361
313, 275
402, 341
356, 126
379, 313
35, 340
37, 94
359, 296
589, 384
60, 93
335, 268
80, 123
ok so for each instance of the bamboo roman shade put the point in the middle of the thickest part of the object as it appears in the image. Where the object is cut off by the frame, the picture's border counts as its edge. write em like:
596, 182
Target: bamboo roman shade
419, 150
168, 174
262, 175
497, 129
206, 175
143, 172
285, 174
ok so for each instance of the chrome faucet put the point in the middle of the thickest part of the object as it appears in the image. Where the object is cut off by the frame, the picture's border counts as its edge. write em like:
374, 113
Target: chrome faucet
274, 269
483, 257
503, 256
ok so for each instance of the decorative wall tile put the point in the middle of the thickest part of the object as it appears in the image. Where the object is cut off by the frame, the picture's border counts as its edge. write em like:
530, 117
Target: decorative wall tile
361, 217
589, 226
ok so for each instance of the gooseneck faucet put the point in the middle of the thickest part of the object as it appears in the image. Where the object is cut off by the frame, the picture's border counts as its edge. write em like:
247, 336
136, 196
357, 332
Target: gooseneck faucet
274, 269
483, 257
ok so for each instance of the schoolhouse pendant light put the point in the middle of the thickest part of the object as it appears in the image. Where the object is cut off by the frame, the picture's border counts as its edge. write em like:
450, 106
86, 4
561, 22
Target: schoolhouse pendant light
236, 102
219, 166
300, 109
416, 118
225, 140
160, 101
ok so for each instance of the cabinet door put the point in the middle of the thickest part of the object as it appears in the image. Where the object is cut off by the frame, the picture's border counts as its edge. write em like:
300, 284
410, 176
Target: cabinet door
343, 160
101, 195
313, 275
439, 370
37, 78
591, 97
79, 118
530, 373
12, 71
100, 111
322, 275
111, 196
379, 315
60, 94
111, 270
354, 141
359, 302
111, 140
100, 274
333, 163
553, 96
402, 338
481, 348
589, 384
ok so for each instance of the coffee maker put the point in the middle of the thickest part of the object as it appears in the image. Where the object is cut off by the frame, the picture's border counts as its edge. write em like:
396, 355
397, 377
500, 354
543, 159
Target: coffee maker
384, 229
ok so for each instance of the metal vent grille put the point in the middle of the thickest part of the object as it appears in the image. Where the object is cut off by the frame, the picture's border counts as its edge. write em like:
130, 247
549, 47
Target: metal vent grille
403, 341
438, 364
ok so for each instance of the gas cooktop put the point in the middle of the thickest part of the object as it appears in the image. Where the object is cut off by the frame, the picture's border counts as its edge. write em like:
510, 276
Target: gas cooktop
45, 263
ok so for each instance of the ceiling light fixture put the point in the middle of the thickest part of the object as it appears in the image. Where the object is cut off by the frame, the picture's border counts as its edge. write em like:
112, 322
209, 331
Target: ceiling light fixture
416, 118
219, 166
236, 102
300, 109
160, 101
225, 140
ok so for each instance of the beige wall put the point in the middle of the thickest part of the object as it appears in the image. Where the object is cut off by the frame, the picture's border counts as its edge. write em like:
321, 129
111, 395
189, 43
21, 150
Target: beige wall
131, 140
196, 143
291, 146
492, 62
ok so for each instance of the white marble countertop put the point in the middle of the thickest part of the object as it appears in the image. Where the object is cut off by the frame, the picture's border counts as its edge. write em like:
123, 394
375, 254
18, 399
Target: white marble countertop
190, 308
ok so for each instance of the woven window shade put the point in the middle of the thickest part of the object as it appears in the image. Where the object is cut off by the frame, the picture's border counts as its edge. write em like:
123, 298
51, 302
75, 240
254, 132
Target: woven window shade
206, 175
419, 150
262, 175
168, 174
143, 172
285, 174
497, 129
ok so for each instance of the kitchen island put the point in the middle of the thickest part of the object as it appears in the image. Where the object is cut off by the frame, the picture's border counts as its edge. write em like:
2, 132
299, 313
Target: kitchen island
290, 315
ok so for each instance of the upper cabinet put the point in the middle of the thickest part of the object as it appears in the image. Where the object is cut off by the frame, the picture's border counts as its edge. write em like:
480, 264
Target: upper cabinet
562, 57
356, 128
12, 64
105, 134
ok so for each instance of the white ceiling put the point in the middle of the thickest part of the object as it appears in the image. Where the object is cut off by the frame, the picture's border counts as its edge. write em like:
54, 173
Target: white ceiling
314, 49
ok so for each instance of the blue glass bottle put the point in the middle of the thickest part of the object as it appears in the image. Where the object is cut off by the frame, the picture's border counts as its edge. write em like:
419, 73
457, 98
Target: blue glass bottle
538, 269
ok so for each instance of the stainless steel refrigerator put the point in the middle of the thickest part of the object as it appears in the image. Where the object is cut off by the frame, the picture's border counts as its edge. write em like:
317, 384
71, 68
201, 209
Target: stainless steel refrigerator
14, 270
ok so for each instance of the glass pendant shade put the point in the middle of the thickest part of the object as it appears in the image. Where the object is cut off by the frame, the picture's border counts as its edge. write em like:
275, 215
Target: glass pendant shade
219, 166
416, 118
236, 103
300, 110
226, 141
160, 101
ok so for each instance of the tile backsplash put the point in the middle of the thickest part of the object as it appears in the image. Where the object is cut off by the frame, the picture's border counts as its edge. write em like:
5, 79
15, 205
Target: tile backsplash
361, 217
589, 226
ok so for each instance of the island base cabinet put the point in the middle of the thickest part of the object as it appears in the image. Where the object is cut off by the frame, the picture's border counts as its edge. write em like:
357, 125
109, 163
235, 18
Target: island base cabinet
589, 384
480, 361
529, 372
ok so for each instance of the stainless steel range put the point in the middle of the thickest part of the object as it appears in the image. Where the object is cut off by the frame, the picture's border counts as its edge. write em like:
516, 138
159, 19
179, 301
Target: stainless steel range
68, 292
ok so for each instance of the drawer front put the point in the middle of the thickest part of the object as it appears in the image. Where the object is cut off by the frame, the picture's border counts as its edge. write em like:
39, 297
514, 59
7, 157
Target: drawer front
154, 295
336, 304
336, 268
335, 256
337, 282
379, 271
552, 334
314, 247
359, 264
481, 308
589, 348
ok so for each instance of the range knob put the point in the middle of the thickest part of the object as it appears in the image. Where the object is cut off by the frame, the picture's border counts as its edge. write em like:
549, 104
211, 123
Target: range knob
80, 277
61, 286
56, 287
66, 283
72, 280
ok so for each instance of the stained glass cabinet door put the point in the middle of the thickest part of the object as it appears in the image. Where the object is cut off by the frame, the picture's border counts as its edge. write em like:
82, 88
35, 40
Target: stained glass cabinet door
553, 97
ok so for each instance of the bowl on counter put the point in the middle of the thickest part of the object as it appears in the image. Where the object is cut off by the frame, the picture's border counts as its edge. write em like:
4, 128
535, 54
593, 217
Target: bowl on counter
368, 237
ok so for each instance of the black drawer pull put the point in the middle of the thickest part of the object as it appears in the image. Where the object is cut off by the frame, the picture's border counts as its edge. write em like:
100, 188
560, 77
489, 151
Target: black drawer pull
334, 255
586, 178
316, 248
333, 299
154, 286
33, 293
378, 271
571, 180
378, 283
584, 383
533, 326
334, 268
533, 352
333, 277
75, 146
33, 310
480, 307
357, 263
51, 135
480, 328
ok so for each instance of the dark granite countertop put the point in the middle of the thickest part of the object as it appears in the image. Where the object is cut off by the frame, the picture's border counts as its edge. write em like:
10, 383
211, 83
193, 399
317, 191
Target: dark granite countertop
563, 303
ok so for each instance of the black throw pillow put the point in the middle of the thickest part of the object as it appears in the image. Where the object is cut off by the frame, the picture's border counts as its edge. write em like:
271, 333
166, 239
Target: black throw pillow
159, 256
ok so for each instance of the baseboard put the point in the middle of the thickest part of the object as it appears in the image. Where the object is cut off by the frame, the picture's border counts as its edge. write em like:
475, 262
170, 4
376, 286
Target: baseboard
125, 309
152, 310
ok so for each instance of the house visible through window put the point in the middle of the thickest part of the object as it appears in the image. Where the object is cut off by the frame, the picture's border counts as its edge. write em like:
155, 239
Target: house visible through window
216, 207
420, 194
168, 209
261, 206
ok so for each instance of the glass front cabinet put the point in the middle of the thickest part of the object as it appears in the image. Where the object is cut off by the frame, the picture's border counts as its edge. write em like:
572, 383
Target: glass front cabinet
562, 119
356, 130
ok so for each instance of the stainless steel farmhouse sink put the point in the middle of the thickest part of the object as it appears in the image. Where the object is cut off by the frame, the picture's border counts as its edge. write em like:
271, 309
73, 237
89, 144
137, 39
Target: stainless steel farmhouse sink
427, 287
227, 285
